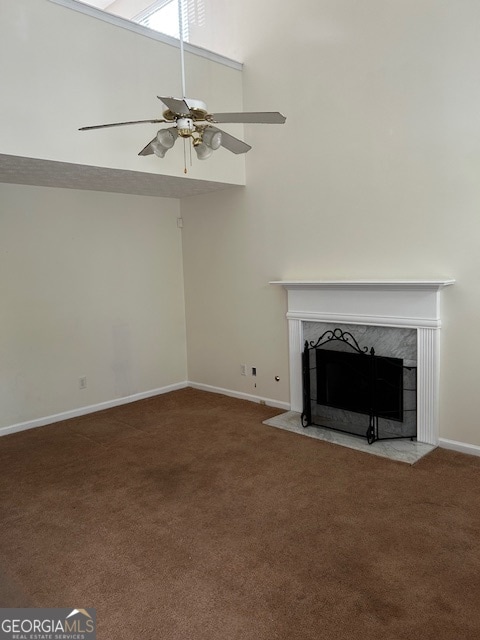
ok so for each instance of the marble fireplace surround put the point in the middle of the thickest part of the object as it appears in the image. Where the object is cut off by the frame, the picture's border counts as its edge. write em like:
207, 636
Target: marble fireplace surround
413, 304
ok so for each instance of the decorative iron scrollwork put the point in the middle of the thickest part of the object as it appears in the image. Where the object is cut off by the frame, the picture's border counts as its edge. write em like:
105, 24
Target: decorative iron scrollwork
339, 336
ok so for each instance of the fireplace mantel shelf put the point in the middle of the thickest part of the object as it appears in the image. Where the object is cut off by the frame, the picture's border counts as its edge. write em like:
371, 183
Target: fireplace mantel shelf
365, 284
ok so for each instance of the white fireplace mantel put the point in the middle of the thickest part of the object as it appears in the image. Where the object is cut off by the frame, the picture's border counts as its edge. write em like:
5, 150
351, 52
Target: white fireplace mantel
390, 303
409, 284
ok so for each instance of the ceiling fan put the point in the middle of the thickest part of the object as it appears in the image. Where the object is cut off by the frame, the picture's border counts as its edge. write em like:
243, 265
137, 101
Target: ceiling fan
191, 120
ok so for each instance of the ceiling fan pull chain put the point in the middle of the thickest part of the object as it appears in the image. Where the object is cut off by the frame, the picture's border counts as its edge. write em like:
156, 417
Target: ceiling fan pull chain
184, 156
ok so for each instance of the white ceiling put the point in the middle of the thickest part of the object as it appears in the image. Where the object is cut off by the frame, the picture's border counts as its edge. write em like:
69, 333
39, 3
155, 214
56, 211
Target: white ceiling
64, 175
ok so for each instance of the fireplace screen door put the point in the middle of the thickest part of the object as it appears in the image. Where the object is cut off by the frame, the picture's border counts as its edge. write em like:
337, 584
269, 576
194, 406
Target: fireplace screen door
351, 389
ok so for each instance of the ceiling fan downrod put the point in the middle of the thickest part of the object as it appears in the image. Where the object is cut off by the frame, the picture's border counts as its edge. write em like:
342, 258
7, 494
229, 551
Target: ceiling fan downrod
182, 54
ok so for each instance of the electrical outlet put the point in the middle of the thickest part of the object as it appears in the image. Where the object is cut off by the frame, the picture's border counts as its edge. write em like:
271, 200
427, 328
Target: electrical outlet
243, 369
82, 382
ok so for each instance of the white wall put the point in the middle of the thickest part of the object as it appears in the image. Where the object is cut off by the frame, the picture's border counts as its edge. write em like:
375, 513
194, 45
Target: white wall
374, 175
64, 70
91, 285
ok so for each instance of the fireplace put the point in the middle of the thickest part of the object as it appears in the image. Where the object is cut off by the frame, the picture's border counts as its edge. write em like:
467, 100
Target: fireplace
411, 306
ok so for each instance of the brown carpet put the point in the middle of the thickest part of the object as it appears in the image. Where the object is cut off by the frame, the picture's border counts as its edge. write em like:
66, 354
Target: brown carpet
184, 518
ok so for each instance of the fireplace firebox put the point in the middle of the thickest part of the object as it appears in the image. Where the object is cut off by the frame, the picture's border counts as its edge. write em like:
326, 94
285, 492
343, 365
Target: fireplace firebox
356, 382
352, 389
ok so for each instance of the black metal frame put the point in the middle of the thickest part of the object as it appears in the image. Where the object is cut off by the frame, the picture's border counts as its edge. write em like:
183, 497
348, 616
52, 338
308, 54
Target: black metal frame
345, 337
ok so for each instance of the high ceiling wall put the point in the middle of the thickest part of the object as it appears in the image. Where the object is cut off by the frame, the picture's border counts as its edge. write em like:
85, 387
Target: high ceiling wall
374, 175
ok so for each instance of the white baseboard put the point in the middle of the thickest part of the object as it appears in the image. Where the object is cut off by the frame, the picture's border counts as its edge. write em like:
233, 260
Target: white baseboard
462, 447
74, 413
454, 445
241, 396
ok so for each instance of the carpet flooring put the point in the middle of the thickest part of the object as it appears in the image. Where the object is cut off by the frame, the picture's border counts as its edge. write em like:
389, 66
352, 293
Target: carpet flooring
183, 517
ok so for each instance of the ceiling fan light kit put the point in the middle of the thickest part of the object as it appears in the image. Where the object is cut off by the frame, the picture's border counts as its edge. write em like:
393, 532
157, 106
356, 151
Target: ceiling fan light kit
212, 139
167, 137
164, 141
203, 151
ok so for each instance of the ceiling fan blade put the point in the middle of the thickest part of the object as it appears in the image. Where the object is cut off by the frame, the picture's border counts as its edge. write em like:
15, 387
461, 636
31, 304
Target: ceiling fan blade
231, 143
179, 107
147, 149
252, 117
120, 124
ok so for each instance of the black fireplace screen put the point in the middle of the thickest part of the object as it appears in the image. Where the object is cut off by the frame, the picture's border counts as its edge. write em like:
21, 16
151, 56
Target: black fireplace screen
356, 391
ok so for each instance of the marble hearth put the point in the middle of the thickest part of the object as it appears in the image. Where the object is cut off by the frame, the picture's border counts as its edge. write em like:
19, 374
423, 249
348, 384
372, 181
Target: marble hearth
412, 307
